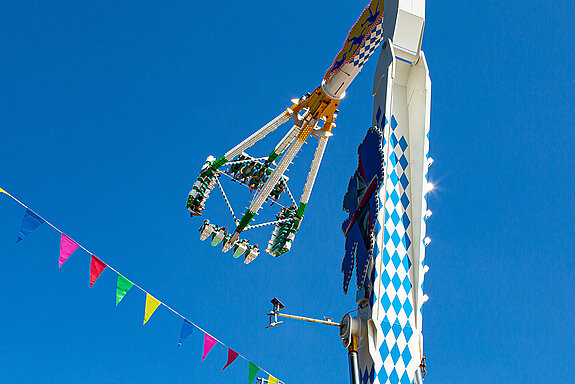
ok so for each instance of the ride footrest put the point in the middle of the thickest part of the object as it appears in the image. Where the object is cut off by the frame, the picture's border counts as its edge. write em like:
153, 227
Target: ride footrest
220, 235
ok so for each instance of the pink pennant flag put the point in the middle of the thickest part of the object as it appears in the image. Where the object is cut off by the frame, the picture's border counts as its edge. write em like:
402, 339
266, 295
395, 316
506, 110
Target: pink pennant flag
67, 247
209, 343
232, 356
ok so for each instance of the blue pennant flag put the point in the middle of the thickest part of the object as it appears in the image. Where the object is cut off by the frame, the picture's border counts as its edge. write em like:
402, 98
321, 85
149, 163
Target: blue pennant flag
30, 222
187, 329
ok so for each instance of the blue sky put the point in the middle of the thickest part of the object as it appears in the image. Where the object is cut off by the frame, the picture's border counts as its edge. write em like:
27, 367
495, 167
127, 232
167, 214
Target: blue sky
107, 110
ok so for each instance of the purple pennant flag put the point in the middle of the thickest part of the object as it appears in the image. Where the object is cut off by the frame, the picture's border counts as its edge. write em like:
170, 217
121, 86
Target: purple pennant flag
67, 247
209, 343
232, 356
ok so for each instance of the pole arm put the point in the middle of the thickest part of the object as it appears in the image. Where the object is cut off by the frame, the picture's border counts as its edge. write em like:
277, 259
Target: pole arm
326, 322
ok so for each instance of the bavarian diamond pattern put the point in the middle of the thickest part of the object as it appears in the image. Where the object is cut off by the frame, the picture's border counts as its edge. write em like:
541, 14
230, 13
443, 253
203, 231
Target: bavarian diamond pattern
366, 376
369, 46
393, 303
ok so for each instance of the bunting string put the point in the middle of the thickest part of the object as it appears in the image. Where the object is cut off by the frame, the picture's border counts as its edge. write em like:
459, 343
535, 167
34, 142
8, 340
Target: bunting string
68, 245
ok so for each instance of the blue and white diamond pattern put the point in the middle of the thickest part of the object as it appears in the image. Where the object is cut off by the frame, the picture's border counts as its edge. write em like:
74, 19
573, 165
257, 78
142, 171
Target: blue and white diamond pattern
393, 304
367, 375
369, 45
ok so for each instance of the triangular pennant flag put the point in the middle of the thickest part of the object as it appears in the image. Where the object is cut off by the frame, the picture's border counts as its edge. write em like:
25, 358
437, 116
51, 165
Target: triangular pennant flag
253, 371
124, 285
209, 343
96, 268
3, 191
30, 222
273, 380
67, 247
232, 356
151, 305
187, 329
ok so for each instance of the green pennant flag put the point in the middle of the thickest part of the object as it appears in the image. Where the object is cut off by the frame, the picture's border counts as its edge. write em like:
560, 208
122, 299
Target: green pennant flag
253, 371
123, 287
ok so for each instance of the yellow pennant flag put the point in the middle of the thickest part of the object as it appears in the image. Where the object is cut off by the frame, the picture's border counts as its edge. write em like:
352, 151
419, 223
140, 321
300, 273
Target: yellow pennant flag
272, 380
3, 191
151, 305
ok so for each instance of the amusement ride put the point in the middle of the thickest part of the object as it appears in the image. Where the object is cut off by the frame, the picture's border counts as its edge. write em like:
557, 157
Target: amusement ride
386, 198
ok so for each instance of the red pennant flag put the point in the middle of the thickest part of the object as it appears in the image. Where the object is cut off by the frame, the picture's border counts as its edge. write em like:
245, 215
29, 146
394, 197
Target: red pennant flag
97, 266
232, 356
209, 343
